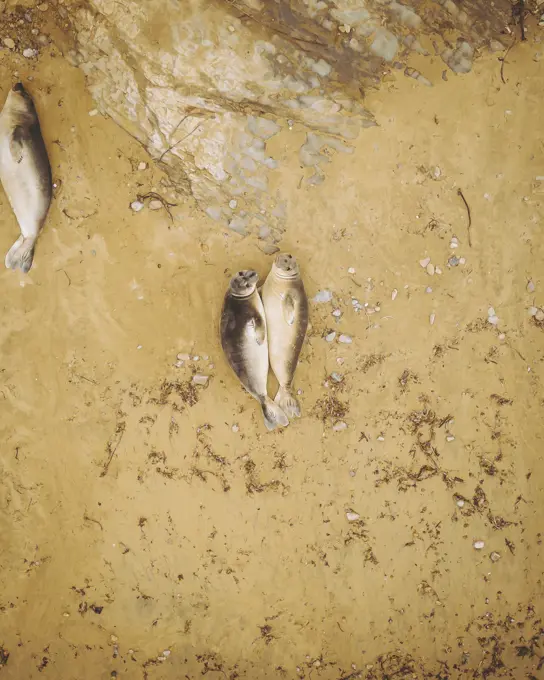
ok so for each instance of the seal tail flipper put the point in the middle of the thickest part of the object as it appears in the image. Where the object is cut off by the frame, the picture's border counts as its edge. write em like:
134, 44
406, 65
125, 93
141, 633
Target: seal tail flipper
287, 402
273, 415
21, 254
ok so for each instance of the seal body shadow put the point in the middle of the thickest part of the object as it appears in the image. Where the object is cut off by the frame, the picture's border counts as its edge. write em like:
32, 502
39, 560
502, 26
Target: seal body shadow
25, 173
244, 342
286, 308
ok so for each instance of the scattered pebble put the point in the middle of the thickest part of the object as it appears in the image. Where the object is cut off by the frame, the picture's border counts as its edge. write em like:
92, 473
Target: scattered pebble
136, 206
93, 112
430, 269
183, 357
352, 516
530, 287
337, 377
235, 428
502, 336
114, 638
493, 319
233, 203
437, 172
428, 289
460, 502
338, 427
432, 318
539, 316
142, 166
453, 261
437, 270
155, 204
196, 358
330, 336
179, 364
381, 438
462, 260
478, 545
337, 313
323, 296
43, 7
454, 243
346, 339
8, 42
200, 379
339, 361
394, 293
351, 270
494, 556
29, 53
450, 438
425, 262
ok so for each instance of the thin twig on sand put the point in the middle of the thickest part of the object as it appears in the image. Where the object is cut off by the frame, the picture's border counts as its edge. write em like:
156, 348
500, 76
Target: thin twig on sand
460, 193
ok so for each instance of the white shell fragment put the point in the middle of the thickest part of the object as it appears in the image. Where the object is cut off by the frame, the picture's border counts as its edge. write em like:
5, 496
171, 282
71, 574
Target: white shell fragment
478, 545
346, 339
200, 379
352, 516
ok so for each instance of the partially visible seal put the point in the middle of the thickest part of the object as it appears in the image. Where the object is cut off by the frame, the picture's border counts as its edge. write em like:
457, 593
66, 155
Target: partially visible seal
25, 173
244, 341
286, 308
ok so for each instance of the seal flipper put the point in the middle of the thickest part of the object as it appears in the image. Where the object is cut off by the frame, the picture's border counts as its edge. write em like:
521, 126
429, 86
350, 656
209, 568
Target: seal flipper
288, 402
273, 415
21, 254
258, 328
288, 307
16, 143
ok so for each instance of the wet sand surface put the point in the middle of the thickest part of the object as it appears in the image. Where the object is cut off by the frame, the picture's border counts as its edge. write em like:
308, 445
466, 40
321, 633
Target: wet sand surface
152, 528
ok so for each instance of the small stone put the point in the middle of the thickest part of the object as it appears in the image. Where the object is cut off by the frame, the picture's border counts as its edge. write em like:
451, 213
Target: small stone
460, 503
142, 166
351, 270
530, 287
539, 316
330, 336
29, 53
235, 428
200, 379
453, 261
454, 245
437, 270
432, 318
337, 313
450, 438
179, 364
478, 545
381, 438
352, 516
437, 172
155, 204
323, 296
233, 203
339, 361
493, 319
491, 311
182, 356
43, 7
501, 336
8, 42
114, 638
428, 289
196, 358
430, 269
425, 262
532, 311
338, 427
337, 377
93, 112
494, 556
345, 339
394, 293
137, 206
462, 260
